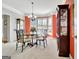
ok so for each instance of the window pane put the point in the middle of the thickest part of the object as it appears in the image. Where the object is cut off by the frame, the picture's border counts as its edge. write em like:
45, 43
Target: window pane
44, 21
21, 25
40, 22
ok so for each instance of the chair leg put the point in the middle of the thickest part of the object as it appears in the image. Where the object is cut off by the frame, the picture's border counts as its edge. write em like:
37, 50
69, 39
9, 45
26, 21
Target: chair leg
36, 43
39, 42
22, 48
44, 44
16, 46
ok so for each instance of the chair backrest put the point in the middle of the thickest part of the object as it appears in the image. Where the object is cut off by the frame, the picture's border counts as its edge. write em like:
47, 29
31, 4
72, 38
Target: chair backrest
19, 34
44, 37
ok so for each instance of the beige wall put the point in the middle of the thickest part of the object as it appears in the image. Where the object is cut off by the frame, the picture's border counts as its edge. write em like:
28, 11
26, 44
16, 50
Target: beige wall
13, 17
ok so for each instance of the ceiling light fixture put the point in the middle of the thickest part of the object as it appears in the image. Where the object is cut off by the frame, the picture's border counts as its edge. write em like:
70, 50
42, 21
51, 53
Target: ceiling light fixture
32, 17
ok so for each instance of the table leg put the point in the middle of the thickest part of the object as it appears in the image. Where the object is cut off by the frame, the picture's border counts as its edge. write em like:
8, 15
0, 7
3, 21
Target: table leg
32, 40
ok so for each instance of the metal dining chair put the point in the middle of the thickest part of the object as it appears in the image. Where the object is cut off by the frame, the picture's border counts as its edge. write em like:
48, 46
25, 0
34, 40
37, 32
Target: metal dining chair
20, 39
41, 39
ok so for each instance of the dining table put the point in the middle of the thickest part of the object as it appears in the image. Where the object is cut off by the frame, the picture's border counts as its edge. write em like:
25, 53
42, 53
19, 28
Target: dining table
33, 36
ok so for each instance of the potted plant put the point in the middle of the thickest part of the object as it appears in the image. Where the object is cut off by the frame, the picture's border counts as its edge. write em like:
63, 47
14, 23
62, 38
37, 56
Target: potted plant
33, 29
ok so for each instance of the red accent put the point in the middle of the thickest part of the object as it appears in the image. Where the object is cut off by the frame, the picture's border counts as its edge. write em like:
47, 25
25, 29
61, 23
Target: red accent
70, 2
27, 24
54, 26
71, 33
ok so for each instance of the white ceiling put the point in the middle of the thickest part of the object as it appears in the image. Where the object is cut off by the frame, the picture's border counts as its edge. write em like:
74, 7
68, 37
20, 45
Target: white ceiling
41, 7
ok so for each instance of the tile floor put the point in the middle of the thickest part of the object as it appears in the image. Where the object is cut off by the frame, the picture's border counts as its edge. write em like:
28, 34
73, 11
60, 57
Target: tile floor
50, 52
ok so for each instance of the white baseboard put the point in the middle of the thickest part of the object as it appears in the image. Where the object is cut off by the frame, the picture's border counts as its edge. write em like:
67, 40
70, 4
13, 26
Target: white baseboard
71, 57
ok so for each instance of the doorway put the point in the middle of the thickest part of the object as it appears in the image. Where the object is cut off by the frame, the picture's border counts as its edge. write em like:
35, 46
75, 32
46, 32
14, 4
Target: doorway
6, 28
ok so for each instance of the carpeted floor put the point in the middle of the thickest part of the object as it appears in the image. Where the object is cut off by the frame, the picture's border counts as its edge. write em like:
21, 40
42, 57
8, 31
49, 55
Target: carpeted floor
50, 52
